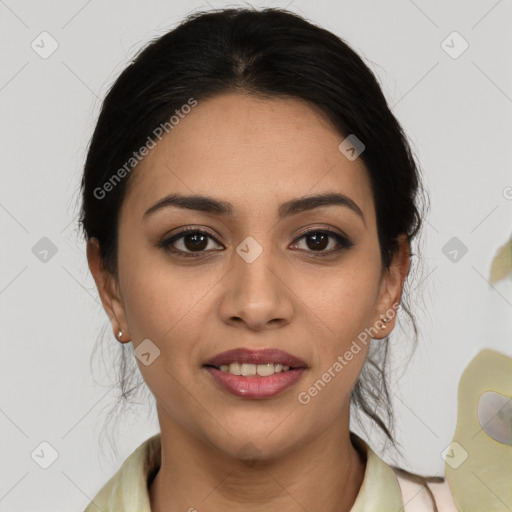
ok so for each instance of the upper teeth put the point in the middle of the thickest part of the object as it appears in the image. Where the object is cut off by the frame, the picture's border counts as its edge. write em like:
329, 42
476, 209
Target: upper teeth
248, 369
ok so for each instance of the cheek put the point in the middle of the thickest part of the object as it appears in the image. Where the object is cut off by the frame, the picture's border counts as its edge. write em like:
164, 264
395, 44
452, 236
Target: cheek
160, 310
346, 308
159, 297
168, 314
168, 306
342, 302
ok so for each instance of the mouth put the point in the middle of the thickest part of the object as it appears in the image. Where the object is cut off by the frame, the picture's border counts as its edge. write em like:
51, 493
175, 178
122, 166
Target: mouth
255, 374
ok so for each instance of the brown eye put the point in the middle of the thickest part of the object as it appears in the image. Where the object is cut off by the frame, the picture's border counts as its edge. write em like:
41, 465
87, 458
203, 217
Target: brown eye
187, 242
195, 242
319, 240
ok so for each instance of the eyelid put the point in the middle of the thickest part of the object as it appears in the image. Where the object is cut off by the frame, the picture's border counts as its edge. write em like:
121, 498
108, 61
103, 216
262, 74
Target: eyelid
325, 228
181, 231
184, 232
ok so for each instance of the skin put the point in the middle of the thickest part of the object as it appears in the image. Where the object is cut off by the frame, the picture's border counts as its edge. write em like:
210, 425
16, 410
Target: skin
255, 153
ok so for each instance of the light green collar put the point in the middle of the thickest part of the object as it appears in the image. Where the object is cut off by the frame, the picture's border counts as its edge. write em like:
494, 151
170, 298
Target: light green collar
380, 491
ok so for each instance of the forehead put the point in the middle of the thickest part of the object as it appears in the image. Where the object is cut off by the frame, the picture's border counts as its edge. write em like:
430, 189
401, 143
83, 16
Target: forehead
250, 151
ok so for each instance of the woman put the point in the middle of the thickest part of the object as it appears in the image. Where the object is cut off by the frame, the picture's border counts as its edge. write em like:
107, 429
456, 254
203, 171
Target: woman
249, 202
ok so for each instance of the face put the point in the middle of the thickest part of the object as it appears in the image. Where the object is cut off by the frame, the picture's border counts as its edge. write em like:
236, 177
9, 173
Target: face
250, 278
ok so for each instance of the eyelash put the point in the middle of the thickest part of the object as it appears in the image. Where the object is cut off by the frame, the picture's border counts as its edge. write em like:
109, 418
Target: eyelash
343, 242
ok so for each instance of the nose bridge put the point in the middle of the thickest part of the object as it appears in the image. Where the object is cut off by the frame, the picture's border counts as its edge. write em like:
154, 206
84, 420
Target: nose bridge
256, 293
254, 262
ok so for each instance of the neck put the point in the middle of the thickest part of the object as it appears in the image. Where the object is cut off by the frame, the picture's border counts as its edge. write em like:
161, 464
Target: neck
324, 474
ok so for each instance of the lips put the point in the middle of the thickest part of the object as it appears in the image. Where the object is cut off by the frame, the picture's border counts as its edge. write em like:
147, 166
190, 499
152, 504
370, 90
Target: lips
265, 356
234, 371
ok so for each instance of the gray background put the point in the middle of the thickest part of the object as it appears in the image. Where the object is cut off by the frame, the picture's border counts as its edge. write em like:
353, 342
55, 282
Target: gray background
456, 111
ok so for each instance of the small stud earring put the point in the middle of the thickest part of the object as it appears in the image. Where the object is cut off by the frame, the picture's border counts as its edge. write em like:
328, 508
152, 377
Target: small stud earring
385, 320
119, 334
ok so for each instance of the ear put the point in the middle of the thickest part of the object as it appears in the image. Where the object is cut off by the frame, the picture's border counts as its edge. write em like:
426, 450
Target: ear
391, 288
108, 290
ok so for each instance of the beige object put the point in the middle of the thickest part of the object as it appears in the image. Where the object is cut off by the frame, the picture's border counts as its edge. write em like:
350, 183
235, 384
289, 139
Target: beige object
478, 466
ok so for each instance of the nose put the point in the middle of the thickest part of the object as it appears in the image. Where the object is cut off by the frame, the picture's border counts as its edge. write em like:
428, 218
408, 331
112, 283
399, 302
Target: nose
256, 294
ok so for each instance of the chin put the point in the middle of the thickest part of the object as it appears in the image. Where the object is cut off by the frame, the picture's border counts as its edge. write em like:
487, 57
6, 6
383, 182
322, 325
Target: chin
253, 444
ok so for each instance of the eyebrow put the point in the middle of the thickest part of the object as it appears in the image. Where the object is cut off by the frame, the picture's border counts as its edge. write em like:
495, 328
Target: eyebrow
218, 207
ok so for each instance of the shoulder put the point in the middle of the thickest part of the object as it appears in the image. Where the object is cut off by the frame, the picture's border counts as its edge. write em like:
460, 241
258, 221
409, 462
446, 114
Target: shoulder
422, 494
127, 489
